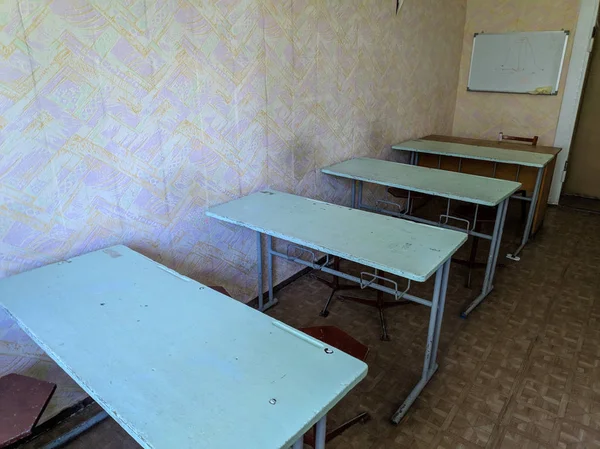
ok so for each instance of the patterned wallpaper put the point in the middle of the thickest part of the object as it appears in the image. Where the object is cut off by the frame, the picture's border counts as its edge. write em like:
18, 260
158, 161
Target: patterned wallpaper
121, 121
484, 115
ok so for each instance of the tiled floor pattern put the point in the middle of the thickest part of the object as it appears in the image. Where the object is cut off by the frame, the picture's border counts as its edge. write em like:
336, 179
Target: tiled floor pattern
522, 372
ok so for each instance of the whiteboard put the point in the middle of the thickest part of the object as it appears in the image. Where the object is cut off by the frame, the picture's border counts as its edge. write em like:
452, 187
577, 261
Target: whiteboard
524, 63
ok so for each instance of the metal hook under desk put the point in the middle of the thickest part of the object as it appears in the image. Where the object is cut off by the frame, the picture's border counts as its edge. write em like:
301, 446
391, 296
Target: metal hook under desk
313, 257
397, 293
391, 203
445, 217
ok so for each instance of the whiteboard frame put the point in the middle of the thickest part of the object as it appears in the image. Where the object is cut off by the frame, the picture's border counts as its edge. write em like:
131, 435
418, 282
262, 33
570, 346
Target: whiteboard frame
560, 70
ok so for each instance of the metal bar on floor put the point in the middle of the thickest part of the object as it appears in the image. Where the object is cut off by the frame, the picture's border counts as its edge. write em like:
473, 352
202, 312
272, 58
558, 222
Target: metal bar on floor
76, 431
522, 198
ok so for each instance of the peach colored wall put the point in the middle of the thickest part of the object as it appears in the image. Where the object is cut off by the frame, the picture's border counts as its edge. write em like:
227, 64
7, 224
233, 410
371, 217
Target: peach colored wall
484, 115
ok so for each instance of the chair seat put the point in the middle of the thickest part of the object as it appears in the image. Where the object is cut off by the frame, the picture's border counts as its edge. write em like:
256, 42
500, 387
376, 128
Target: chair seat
220, 289
22, 402
334, 336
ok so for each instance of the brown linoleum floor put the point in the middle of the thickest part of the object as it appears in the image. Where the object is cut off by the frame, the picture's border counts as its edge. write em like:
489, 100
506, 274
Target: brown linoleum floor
523, 371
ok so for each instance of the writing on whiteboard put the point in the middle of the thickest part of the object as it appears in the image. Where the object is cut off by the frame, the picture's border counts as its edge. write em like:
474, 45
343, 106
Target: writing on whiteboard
518, 62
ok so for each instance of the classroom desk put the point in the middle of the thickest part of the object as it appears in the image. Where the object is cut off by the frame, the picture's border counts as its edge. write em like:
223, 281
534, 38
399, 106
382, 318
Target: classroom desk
410, 250
532, 166
477, 190
175, 363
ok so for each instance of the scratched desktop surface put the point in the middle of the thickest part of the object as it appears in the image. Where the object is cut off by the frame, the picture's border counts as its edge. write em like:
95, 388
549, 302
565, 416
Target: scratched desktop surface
175, 363
485, 153
410, 250
448, 184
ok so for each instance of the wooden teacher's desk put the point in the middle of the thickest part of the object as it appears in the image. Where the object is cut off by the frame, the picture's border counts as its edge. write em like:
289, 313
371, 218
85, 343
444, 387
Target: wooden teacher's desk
532, 166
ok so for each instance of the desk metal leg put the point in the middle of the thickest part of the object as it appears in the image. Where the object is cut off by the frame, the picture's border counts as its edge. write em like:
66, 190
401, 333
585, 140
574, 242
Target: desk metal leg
490, 269
414, 158
272, 300
435, 324
259, 262
530, 216
360, 193
270, 266
440, 315
353, 194
321, 433
299, 444
498, 243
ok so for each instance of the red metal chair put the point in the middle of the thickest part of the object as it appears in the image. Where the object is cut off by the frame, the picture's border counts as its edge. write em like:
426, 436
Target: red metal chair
334, 336
220, 289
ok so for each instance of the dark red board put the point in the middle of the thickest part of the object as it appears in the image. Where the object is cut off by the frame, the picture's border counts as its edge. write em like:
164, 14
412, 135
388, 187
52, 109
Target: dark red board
337, 338
22, 402
220, 289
